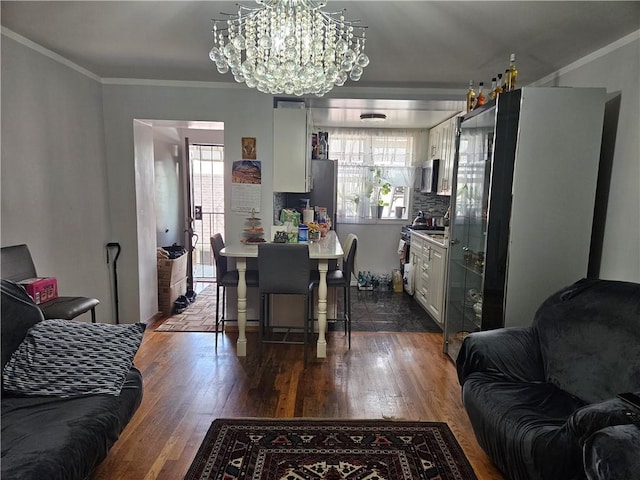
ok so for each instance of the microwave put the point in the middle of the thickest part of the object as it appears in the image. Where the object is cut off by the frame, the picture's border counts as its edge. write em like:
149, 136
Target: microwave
429, 176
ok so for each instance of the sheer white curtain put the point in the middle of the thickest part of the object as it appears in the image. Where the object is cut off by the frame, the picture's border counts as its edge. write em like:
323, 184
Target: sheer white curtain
375, 167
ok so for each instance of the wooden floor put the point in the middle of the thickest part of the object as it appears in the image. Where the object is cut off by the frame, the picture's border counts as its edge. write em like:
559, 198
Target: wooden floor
188, 385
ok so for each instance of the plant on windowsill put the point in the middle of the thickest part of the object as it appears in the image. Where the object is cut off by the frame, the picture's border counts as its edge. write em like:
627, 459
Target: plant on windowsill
377, 188
383, 190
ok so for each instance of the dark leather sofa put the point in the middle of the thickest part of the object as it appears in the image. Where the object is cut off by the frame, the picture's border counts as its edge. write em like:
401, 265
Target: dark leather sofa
46, 437
542, 400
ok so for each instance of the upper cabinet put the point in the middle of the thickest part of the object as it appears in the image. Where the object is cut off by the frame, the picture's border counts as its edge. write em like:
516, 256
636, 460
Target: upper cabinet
442, 140
291, 150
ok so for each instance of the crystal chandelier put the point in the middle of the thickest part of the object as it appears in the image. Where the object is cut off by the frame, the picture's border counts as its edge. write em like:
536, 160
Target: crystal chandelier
289, 46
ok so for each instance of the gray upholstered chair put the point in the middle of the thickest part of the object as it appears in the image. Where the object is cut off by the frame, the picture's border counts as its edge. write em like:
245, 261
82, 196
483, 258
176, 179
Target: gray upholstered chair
17, 265
341, 278
284, 269
226, 278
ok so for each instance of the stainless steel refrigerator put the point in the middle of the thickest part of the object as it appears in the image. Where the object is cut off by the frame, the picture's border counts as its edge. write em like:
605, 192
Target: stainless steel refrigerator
525, 174
324, 188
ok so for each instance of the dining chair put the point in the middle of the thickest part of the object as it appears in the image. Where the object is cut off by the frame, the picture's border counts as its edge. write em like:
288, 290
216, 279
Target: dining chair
341, 278
283, 269
226, 278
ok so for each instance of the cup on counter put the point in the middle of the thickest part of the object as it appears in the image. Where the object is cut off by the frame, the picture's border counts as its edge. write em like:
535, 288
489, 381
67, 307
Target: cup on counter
307, 215
303, 233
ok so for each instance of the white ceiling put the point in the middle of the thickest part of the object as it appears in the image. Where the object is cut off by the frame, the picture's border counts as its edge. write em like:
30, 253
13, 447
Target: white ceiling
422, 51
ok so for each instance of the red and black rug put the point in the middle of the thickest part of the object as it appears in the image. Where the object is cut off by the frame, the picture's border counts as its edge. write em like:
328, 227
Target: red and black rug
329, 450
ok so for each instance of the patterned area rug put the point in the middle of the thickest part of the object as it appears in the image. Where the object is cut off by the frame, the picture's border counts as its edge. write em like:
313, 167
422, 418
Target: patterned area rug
200, 316
329, 450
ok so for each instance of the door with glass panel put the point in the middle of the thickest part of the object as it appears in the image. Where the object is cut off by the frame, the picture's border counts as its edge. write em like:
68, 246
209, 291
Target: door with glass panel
468, 231
206, 185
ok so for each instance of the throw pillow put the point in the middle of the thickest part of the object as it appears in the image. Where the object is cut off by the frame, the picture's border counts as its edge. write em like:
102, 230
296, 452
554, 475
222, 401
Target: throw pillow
69, 359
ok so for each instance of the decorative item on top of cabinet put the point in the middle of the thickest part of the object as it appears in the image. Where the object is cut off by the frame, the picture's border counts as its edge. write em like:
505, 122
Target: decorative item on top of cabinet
291, 150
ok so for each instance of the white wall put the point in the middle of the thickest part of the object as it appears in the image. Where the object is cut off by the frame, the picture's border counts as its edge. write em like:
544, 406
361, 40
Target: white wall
245, 113
168, 189
377, 245
68, 187
54, 189
619, 72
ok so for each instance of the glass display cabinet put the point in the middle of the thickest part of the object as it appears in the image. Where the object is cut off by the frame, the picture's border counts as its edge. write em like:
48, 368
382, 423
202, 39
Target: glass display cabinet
516, 235
469, 228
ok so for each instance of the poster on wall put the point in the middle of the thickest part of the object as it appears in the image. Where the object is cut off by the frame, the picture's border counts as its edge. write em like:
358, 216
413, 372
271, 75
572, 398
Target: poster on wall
246, 185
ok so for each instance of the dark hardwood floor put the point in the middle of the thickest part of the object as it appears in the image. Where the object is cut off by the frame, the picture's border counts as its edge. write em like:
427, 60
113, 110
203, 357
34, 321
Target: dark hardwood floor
188, 385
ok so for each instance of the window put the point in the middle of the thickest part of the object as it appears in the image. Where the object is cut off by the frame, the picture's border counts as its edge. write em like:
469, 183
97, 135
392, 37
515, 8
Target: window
376, 172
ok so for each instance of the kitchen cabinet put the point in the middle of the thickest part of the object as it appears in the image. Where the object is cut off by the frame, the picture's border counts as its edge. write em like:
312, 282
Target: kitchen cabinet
522, 209
291, 150
429, 264
442, 140
435, 144
445, 176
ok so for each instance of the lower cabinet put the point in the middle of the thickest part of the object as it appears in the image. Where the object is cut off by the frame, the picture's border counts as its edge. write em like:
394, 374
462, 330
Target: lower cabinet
429, 270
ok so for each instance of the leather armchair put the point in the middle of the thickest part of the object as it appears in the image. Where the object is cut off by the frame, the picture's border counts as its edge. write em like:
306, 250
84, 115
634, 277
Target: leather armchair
17, 265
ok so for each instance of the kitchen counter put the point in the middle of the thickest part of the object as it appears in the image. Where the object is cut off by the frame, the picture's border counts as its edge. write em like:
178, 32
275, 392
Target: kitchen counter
433, 236
429, 260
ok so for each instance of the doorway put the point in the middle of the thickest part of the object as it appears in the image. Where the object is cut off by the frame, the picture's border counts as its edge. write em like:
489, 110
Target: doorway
170, 144
206, 167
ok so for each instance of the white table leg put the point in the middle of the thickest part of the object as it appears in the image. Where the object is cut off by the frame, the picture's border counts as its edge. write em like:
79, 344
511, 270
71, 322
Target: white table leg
241, 265
323, 265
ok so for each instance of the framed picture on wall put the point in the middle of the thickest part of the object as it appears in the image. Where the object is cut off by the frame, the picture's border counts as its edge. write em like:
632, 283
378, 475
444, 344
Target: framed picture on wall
249, 148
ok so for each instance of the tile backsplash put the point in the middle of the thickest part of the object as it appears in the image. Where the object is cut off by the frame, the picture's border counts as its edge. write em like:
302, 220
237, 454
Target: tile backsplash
437, 205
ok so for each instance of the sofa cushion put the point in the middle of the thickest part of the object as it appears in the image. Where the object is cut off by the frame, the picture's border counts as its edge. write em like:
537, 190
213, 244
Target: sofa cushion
590, 338
63, 439
522, 426
613, 453
19, 314
68, 359
585, 421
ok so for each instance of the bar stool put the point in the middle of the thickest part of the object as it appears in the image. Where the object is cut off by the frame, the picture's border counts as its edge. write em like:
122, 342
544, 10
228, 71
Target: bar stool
284, 269
341, 278
226, 278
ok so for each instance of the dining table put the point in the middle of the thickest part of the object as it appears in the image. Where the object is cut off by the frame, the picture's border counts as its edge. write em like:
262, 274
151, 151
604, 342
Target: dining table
325, 249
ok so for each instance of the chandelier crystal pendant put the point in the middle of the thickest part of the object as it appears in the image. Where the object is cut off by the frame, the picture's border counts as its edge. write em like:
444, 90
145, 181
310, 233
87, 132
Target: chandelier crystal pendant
289, 46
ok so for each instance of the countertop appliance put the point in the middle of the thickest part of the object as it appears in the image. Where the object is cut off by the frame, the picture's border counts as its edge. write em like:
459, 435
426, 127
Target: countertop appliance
427, 222
534, 151
420, 220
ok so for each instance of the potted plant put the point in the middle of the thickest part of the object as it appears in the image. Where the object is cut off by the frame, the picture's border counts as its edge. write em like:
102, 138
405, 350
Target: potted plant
377, 188
383, 190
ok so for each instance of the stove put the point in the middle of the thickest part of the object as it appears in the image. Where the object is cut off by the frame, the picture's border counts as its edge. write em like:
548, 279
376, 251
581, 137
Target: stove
405, 234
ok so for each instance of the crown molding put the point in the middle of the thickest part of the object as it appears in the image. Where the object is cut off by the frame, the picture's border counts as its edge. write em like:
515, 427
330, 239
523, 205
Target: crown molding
48, 53
627, 39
